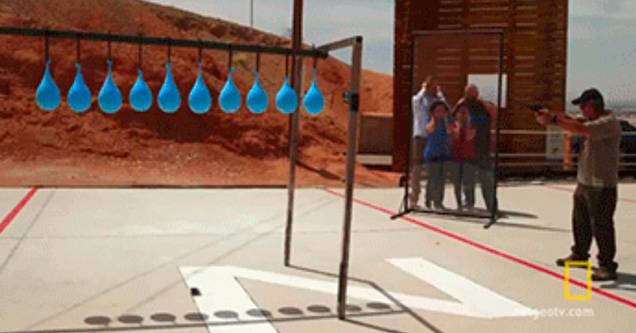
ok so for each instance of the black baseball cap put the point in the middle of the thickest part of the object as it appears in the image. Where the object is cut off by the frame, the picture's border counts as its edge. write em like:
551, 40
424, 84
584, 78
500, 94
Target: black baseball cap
591, 94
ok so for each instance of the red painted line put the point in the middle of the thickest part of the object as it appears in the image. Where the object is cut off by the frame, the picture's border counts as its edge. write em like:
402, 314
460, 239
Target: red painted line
572, 191
16, 210
493, 251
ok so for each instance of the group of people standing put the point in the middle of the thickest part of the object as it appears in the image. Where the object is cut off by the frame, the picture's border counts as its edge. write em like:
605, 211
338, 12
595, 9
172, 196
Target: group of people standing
453, 144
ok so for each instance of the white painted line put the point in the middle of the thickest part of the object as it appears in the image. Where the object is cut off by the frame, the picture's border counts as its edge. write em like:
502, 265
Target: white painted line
475, 300
221, 291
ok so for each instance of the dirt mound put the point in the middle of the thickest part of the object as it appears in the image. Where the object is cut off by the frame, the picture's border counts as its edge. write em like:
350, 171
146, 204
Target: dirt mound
66, 148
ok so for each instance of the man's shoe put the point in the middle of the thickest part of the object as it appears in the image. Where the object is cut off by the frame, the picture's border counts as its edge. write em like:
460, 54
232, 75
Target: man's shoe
604, 274
439, 207
572, 257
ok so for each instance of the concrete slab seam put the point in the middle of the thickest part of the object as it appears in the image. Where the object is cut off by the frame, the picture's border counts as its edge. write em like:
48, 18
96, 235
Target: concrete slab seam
17, 245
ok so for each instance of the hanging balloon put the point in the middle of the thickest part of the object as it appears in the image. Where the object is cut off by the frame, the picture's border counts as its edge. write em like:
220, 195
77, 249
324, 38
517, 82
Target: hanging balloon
200, 98
257, 100
79, 97
140, 95
48, 94
230, 98
169, 97
110, 98
287, 100
314, 100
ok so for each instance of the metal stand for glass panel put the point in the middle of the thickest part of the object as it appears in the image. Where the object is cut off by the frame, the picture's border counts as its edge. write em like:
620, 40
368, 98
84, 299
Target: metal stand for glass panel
493, 214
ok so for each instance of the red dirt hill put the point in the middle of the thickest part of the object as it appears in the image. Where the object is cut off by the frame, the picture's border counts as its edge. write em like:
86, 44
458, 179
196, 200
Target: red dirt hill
128, 148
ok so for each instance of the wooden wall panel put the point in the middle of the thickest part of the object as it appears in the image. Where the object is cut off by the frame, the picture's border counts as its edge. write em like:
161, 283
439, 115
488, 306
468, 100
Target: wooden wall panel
535, 58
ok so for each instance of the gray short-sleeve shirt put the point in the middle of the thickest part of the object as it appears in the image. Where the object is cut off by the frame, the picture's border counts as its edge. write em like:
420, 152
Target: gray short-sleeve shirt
598, 162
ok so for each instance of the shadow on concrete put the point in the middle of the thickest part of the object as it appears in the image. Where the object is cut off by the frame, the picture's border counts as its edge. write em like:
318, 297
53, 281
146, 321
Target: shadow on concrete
483, 220
625, 281
375, 305
322, 172
168, 321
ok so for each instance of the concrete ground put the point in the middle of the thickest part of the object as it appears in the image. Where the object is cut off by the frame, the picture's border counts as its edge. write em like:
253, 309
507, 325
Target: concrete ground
199, 260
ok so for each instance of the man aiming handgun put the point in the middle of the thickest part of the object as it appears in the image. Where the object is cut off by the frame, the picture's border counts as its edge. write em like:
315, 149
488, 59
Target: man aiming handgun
597, 179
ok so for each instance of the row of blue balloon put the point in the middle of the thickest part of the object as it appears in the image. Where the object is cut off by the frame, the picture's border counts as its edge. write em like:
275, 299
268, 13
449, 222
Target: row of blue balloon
169, 99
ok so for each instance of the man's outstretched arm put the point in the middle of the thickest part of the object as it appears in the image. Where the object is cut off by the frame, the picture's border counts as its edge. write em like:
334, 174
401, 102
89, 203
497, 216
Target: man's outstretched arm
562, 120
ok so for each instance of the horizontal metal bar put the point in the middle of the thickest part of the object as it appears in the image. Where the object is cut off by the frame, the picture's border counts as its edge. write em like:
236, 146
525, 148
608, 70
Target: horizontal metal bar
504, 155
559, 162
555, 163
560, 132
458, 32
191, 43
526, 132
341, 44
519, 155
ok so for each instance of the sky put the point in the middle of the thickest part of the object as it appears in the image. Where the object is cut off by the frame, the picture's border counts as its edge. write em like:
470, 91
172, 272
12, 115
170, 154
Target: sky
601, 41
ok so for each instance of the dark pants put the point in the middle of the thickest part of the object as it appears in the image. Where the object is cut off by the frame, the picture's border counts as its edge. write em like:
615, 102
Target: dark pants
486, 177
418, 144
464, 180
463, 177
436, 182
417, 163
593, 215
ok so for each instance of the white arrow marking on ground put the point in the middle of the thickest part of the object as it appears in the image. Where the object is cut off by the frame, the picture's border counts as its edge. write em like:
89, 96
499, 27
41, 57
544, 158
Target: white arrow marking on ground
220, 291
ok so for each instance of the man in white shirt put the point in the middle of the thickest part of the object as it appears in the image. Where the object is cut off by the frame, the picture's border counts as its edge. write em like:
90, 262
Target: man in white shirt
421, 102
597, 179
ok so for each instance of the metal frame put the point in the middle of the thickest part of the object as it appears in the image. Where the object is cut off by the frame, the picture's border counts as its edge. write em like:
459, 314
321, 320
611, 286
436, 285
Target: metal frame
353, 98
185, 43
494, 215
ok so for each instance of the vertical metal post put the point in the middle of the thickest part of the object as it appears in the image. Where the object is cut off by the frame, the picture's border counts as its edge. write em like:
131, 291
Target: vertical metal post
405, 207
252, 14
297, 67
409, 166
495, 208
354, 107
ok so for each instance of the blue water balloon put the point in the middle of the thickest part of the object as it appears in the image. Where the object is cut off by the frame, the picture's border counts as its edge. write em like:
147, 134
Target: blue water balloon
110, 98
257, 100
79, 97
48, 94
230, 96
140, 94
314, 100
200, 98
169, 97
287, 100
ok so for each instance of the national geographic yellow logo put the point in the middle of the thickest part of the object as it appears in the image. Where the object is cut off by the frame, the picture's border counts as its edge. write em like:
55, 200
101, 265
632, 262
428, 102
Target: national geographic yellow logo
588, 295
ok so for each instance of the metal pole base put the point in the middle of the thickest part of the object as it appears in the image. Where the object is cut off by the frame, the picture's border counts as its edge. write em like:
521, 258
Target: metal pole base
398, 215
492, 221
